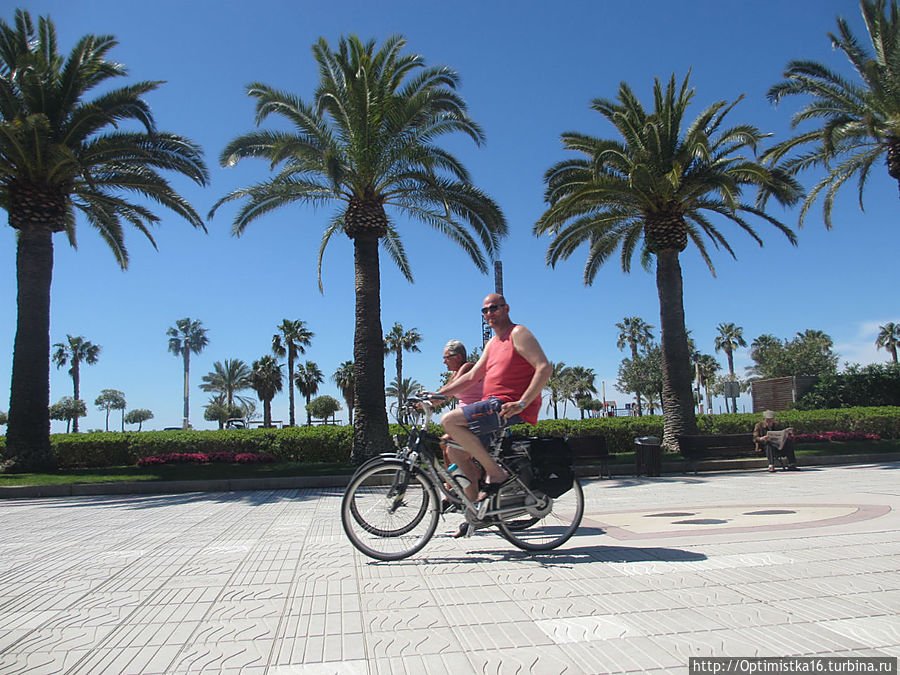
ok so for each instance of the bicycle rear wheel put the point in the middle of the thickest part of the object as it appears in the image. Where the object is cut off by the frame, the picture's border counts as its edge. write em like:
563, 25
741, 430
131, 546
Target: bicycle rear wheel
551, 521
389, 512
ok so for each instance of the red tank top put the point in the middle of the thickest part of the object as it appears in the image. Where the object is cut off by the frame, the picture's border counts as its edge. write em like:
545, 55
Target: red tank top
508, 375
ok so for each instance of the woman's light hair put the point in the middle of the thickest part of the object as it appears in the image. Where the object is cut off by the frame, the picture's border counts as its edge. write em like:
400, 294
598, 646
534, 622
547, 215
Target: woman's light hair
455, 347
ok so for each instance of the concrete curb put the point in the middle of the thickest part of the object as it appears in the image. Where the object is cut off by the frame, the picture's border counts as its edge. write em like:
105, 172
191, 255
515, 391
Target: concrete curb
294, 482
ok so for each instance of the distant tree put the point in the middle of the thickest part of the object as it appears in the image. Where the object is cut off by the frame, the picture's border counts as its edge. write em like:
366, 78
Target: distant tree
219, 411
580, 384
308, 379
76, 350
291, 340
138, 416
707, 367
644, 375
227, 379
185, 338
266, 380
808, 353
876, 384
889, 339
557, 387
323, 407
858, 120
637, 334
398, 341
729, 338
401, 392
111, 399
67, 409
3, 418
65, 152
343, 378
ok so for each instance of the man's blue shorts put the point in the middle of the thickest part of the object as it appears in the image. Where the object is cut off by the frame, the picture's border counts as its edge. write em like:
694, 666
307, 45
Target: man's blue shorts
484, 418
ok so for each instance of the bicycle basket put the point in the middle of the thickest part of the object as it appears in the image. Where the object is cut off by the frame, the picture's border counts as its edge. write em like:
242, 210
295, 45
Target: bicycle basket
552, 465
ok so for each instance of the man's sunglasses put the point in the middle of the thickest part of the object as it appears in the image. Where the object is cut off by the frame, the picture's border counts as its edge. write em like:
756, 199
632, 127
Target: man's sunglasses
490, 308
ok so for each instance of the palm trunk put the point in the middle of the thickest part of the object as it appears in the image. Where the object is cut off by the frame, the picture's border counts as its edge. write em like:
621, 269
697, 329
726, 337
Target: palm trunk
308, 413
371, 434
290, 356
634, 358
186, 422
76, 386
267, 413
28, 429
399, 381
677, 395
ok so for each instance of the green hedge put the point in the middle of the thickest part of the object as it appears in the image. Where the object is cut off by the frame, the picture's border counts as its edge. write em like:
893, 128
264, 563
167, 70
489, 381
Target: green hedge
333, 444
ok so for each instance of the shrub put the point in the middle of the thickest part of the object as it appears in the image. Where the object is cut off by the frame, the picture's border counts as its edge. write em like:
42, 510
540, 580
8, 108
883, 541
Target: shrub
206, 458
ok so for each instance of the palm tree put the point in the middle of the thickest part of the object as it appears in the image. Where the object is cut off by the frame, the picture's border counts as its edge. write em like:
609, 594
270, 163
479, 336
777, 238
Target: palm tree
396, 342
61, 153
730, 337
889, 338
308, 379
185, 337
227, 379
369, 141
290, 340
266, 380
77, 350
580, 384
556, 386
858, 122
706, 367
635, 332
652, 192
402, 390
343, 378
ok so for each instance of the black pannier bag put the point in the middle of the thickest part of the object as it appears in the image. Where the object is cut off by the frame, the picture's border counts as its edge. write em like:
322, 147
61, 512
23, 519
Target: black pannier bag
552, 466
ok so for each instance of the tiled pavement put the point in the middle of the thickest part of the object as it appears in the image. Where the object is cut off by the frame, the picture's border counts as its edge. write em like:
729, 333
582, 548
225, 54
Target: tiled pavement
728, 564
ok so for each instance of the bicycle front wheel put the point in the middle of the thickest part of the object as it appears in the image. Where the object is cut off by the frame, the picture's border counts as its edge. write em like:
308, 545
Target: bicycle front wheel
389, 512
551, 523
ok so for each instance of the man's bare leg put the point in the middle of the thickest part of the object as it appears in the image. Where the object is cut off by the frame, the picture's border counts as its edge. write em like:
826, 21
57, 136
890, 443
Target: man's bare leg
456, 425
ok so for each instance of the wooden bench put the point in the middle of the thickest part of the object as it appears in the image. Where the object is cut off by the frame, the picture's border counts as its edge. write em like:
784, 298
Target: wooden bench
590, 450
715, 446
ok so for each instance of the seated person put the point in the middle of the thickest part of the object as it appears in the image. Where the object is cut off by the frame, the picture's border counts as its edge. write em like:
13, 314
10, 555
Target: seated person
769, 445
456, 361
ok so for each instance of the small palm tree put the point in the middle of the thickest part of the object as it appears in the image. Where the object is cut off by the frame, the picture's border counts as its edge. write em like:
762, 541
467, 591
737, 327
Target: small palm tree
580, 384
730, 337
227, 379
62, 153
398, 341
368, 142
889, 338
634, 332
308, 379
291, 340
557, 387
402, 391
266, 380
343, 378
858, 121
707, 367
652, 192
75, 351
187, 337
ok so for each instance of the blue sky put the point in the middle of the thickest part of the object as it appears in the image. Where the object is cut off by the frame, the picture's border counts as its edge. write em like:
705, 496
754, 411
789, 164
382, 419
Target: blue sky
529, 71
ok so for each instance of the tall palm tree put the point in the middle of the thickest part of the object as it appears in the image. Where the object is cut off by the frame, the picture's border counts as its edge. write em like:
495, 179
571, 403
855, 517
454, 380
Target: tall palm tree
343, 378
61, 153
227, 379
889, 338
396, 342
635, 332
187, 337
266, 380
308, 379
730, 337
857, 122
368, 140
77, 350
653, 191
557, 387
291, 340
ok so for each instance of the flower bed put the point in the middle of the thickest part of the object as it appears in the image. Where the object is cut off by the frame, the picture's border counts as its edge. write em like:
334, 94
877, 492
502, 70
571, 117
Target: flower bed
827, 436
206, 458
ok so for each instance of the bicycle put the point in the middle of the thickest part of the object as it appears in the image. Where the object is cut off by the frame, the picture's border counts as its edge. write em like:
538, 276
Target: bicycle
392, 505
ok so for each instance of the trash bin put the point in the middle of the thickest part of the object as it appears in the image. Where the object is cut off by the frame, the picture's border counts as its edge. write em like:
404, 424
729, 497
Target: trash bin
647, 456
